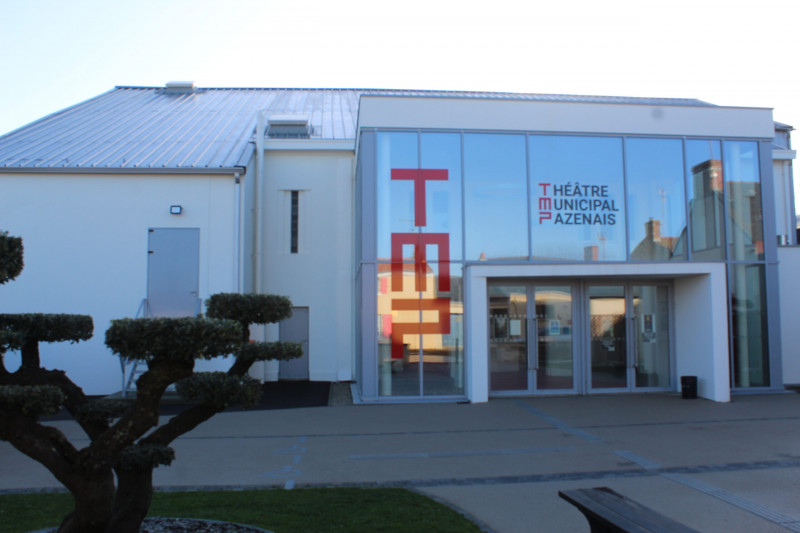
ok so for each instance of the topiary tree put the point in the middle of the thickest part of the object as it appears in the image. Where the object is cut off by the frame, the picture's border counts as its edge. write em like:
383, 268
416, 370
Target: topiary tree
10, 257
10, 266
111, 478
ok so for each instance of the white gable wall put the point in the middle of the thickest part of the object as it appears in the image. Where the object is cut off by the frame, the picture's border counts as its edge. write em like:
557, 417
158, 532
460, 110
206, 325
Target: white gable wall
85, 239
320, 275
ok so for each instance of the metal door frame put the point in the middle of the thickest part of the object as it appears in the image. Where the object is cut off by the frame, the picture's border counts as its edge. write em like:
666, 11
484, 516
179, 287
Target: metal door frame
531, 284
630, 336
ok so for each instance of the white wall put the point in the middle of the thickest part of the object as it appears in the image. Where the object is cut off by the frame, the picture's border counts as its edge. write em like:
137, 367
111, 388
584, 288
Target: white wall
571, 117
789, 283
85, 239
701, 332
320, 276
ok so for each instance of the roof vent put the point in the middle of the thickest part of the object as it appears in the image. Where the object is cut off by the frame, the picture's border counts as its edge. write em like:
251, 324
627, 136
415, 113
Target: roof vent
180, 86
289, 126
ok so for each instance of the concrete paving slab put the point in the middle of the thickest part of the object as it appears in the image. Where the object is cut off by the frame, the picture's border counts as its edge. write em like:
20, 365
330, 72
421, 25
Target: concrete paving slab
774, 489
716, 467
536, 507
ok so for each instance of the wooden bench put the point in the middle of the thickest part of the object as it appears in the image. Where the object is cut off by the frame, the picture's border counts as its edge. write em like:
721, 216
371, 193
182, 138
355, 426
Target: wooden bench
610, 512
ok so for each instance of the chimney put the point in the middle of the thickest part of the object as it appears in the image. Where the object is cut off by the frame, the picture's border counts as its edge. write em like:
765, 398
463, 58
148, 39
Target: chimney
652, 230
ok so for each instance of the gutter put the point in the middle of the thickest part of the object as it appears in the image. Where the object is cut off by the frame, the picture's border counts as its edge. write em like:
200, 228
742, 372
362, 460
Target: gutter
227, 171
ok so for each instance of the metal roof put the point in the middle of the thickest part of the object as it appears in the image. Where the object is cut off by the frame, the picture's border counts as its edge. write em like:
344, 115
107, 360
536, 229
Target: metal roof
205, 129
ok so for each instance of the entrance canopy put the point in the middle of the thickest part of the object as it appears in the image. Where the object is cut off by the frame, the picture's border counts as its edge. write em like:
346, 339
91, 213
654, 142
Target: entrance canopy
700, 315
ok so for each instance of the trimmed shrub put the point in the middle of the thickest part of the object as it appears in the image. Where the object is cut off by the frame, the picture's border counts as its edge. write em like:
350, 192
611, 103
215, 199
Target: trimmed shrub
11, 253
219, 389
39, 327
270, 351
186, 338
249, 308
31, 400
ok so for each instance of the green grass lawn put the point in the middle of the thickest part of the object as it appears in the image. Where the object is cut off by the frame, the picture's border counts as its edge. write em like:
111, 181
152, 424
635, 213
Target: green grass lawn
281, 511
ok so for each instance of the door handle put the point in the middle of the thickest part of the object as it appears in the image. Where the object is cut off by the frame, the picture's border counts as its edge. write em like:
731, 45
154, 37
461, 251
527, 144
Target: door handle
533, 340
635, 337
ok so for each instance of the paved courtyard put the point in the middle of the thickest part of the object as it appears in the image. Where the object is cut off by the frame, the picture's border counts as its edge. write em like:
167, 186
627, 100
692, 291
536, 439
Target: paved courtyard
716, 467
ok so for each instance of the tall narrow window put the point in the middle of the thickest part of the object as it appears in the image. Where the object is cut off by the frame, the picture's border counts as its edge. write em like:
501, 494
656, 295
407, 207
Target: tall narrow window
656, 204
294, 222
743, 193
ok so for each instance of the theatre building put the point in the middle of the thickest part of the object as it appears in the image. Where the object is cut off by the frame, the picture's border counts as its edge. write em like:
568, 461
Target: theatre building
445, 246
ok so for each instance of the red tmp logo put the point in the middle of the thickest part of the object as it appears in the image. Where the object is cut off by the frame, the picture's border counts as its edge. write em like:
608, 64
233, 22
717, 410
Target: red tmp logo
420, 243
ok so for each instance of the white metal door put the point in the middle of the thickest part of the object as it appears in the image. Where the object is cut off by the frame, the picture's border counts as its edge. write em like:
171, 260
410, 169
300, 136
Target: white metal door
173, 272
295, 329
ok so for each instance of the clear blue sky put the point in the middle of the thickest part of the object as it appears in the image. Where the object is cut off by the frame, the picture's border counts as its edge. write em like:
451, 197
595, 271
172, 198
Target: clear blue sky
56, 53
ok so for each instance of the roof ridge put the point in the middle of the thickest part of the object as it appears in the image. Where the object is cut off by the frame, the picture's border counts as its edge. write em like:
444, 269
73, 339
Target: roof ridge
429, 91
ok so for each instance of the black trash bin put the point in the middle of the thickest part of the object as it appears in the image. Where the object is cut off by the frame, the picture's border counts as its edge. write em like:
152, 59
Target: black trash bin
689, 387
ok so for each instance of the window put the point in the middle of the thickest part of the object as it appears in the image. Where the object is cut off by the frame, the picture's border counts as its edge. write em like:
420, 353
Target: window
294, 222
577, 198
495, 205
656, 203
706, 204
743, 193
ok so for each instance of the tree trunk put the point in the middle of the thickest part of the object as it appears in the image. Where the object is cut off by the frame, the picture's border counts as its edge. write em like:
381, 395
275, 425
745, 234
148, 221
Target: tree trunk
30, 354
134, 494
94, 500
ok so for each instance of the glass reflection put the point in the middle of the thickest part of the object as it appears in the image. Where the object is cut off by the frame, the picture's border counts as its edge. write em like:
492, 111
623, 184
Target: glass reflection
420, 329
495, 197
396, 375
656, 202
443, 198
508, 337
706, 209
553, 308
749, 326
651, 313
743, 192
577, 198
608, 337
395, 197
443, 353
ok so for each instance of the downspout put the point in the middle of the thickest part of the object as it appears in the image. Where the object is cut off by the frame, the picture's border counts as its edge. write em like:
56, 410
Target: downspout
259, 205
238, 230
258, 224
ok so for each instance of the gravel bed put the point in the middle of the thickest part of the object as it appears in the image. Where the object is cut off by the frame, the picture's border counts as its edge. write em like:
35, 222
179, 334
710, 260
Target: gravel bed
181, 525
186, 525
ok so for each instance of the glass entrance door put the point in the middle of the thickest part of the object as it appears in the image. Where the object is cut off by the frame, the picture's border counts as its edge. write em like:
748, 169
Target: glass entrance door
651, 323
555, 338
628, 337
531, 346
554, 346
608, 339
508, 338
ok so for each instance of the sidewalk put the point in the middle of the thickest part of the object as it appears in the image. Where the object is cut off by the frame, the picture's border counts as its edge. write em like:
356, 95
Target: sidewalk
715, 467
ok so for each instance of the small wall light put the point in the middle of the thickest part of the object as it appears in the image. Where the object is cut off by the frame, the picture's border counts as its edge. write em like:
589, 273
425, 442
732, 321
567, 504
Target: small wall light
175, 210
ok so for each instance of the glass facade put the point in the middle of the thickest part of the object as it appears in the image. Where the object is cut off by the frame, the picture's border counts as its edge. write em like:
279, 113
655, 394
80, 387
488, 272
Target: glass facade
706, 204
444, 200
743, 193
749, 365
577, 198
656, 202
495, 184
